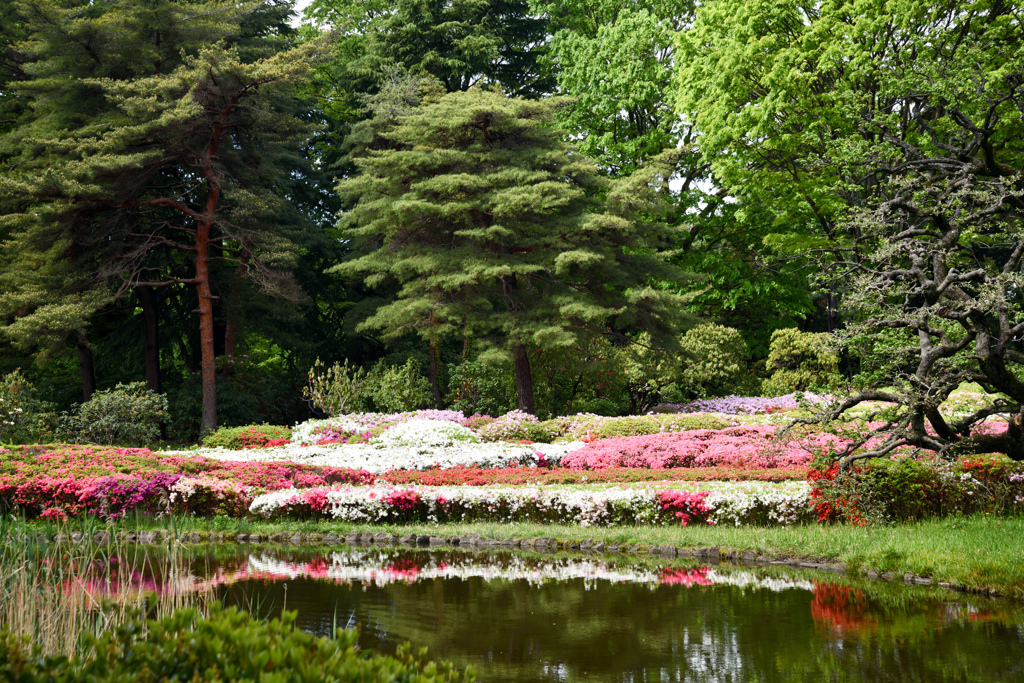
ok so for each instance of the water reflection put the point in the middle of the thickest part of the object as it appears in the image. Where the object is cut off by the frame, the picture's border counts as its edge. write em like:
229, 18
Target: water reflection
519, 617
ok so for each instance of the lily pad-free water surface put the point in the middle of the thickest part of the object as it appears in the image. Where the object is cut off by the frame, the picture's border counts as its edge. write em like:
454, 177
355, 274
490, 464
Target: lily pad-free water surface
531, 617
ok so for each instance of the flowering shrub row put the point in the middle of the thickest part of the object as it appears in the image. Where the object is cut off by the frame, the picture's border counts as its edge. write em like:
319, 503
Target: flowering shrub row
342, 428
729, 503
476, 476
379, 458
515, 425
59, 480
753, 447
890, 490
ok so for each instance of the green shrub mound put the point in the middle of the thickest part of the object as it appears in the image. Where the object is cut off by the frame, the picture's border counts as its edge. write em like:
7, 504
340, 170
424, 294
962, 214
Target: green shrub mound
229, 645
637, 425
716, 361
127, 415
250, 436
801, 361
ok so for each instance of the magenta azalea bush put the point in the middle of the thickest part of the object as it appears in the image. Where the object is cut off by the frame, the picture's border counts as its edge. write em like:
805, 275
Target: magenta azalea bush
753, 447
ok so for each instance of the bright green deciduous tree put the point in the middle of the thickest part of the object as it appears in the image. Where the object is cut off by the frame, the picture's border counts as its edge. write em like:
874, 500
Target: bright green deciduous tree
487, 220
888, 135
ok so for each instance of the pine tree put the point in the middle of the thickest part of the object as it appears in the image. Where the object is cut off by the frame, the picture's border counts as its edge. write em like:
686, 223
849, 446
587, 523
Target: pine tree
488, 220
189, 155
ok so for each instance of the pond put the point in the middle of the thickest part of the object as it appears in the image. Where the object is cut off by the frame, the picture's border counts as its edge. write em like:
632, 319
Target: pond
569, 617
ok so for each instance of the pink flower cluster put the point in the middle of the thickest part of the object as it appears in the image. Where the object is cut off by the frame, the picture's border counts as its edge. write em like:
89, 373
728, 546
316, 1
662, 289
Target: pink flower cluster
685, 505
751, 447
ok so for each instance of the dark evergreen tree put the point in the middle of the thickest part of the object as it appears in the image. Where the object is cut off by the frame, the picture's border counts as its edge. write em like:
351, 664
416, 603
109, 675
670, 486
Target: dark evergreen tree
485, 218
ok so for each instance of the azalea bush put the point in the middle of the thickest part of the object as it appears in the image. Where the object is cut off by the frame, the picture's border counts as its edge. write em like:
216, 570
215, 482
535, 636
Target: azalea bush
380, 457
425, 434
888, 490
726, 503
361, 427
515, 425
754, 447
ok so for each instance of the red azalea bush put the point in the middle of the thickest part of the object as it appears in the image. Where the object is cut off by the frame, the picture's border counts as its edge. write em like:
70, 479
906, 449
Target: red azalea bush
753, 447
478, 476
58, 480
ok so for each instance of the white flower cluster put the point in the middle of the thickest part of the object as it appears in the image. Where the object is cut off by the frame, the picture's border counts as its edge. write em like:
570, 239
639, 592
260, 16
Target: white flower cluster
420, 433
378, 460
728, 502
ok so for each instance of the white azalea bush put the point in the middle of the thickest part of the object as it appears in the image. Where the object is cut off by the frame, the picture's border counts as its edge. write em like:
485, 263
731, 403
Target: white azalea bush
421, 433
722, 503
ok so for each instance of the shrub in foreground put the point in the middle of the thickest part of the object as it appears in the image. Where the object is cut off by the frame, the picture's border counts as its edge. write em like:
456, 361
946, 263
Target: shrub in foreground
228, 645
886, 490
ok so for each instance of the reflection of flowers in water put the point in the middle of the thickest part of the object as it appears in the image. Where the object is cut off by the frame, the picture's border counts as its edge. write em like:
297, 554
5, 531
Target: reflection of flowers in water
375, 568
685, 577
841, 609
404, 569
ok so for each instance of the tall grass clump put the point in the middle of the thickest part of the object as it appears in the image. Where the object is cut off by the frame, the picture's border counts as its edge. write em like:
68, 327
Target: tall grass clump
52, 593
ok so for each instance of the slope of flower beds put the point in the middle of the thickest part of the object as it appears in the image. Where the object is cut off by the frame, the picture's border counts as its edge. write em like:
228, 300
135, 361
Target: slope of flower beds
751, 447
59, 480
722, 502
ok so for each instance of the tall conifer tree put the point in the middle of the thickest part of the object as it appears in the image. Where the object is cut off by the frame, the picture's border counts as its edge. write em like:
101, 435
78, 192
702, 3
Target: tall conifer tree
486, 218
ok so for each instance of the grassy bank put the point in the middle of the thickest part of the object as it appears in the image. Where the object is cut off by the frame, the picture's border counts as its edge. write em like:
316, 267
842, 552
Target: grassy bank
977, 553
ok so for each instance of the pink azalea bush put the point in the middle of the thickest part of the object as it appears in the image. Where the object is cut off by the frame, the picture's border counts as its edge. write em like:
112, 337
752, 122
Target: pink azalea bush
751, 447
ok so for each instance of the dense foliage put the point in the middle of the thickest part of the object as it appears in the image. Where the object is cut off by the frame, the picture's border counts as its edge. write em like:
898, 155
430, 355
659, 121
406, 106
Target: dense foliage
225, 645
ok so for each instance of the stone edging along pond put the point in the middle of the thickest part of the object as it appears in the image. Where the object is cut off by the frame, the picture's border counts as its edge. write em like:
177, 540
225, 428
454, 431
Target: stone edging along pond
712, 555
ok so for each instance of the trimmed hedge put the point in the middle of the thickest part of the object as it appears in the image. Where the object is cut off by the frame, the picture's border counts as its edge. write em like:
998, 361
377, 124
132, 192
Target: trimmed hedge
229, 645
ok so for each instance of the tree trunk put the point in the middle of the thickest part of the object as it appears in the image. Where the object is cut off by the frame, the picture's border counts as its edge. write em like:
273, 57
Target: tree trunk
524, 381
86, 368
209, 365
152, 340
434, 388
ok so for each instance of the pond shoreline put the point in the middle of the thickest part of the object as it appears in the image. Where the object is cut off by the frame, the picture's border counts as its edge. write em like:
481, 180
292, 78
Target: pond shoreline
381, 536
